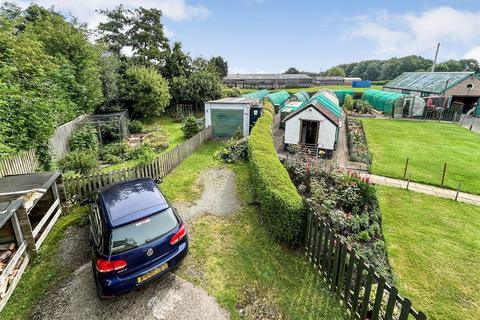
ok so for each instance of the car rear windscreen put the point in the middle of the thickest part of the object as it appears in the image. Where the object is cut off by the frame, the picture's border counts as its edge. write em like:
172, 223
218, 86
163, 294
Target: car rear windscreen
142, 231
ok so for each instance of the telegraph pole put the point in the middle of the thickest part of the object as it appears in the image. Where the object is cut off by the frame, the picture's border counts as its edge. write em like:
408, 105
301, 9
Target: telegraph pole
436, 55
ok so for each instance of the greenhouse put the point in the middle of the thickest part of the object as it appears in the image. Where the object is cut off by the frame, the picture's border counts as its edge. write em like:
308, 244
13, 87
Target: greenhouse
278, 99
383, 101
260, 94
302, 96
342, 93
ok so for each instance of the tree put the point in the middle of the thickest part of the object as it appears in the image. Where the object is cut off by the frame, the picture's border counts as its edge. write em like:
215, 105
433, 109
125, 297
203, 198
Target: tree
147, 38
220, 65
292, 70
204, 86
335, 72
111, 78
177, 63
113, 31
147, 92
372, 72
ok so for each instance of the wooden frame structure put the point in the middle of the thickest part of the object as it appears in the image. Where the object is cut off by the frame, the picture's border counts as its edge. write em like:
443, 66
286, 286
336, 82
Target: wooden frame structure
14, 260
43, 196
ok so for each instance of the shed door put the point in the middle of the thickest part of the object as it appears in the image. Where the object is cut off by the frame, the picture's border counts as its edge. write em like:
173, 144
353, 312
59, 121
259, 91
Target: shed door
226, 121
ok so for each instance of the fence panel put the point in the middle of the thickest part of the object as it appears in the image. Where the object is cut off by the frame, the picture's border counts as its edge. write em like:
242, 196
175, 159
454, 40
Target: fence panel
21, 163
59, 140
352, 278
81, 187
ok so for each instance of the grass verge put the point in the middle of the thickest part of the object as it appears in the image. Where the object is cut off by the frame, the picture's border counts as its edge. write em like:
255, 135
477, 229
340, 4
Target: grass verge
44, 272
234, 256
428, 145
434, 248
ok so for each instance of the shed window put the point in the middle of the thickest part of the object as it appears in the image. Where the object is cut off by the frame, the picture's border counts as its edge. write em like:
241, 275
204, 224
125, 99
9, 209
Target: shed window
405, 91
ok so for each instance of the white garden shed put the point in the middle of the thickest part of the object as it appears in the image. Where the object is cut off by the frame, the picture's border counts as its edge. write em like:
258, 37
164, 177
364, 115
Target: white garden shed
315, 125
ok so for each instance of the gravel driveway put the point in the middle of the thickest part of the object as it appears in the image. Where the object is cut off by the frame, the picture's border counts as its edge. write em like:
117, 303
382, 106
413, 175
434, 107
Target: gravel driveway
170, 298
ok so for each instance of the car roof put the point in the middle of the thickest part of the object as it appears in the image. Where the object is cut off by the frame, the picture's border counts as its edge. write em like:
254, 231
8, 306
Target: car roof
131, 200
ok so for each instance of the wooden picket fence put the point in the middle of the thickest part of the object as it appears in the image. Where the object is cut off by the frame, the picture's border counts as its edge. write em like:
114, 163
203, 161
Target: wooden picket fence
80, 187
20, 163
351, 279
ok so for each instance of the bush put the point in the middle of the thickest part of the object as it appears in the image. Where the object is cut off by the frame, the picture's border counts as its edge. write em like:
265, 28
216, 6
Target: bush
348, 103
84, 138
282, 206
110, 131
158, 140
147, 91
191, 127
230, 92
235, 150
136, 126
115, 152
144, 153
79, 161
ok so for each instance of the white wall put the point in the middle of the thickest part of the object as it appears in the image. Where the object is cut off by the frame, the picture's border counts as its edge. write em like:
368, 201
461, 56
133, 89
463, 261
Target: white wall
243, 106
327, 132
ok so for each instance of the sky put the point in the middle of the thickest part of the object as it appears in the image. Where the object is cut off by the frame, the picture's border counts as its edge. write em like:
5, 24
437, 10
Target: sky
269, 36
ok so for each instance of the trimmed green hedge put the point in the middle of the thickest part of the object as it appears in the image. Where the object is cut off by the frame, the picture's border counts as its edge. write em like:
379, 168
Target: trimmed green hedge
282, 206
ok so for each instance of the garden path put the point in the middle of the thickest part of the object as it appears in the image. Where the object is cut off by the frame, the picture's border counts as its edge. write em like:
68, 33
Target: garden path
423, 188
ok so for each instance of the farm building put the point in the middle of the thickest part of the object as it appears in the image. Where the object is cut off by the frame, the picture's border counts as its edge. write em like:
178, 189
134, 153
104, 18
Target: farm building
278, 99
457, 87
349, 81
329, 81
260, 94
228, 115
268, 81
315, 125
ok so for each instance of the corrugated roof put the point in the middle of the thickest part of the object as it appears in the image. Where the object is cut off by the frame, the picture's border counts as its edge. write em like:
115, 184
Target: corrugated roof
327, 103
260, 94
435, 82
323, 105
267, 76
236, 100
292, 106
278, 98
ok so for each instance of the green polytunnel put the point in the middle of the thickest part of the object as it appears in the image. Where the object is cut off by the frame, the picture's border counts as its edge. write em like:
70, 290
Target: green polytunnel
302, 96
278, 98
382, 100
341, 94
260, 94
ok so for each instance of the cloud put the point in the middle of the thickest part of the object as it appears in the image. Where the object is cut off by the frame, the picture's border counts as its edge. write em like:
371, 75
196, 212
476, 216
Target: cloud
473, 53
417, 33
177, 10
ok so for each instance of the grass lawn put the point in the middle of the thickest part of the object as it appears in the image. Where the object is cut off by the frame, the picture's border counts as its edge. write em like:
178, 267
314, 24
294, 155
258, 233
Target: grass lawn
428, 145
44, 272
316, 88
434, 249
235, 255
169, 126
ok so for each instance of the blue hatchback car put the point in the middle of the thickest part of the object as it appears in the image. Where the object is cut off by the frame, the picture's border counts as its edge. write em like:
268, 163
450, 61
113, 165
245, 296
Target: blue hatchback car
136, 236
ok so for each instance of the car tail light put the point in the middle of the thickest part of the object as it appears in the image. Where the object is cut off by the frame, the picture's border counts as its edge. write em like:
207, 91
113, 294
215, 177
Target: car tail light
179, 235
108, 266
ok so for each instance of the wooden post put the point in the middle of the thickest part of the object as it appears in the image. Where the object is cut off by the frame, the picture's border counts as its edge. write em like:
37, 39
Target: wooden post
458, 191
408, 181
406, 168
443, 174
27, 231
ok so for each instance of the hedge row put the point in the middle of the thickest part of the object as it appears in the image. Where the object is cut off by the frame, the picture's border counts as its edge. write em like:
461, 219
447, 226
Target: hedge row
281, 205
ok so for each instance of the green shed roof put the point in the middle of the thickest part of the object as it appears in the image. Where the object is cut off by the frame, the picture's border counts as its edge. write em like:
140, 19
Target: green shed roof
292, 106
435, 82
260, 94
328, 104
278, 98
302, 96
382, 100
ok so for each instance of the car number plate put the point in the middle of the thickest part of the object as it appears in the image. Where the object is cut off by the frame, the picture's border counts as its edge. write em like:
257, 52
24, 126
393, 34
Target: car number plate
152, 273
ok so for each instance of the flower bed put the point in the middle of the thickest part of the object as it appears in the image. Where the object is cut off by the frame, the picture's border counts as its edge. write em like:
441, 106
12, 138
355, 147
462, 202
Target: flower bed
357, 142
348, 204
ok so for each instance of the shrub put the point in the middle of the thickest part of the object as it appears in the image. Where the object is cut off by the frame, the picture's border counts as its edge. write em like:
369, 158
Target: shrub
84, 138
115, 152
135, 126
348, 103
158, 140
282, 206
110, 131
230, 92
144, 153
79, 161
235, 150
191, 127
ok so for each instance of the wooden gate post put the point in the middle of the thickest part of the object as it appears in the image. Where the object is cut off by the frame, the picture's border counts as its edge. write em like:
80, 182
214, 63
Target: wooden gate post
443, 174
406, 168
